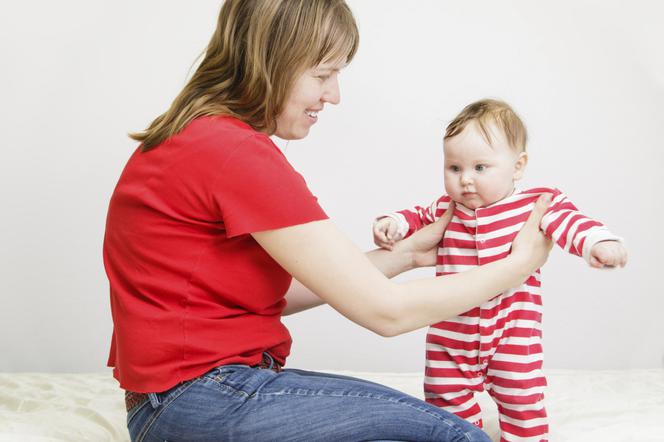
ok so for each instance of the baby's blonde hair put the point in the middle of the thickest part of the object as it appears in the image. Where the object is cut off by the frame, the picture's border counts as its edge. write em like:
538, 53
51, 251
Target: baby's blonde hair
491, 111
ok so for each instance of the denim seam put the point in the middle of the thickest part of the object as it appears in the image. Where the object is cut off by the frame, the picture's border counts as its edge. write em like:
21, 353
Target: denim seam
134, 411
218, 382
368, 396
177, 393
222, 381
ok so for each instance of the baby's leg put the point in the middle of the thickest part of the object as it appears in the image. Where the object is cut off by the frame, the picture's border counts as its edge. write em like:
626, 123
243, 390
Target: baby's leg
459, 400
516, 383
452, 375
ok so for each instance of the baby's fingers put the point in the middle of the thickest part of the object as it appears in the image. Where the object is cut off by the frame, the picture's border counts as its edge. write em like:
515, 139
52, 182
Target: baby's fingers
385, 244
391, 231
623, 258
596, 263
379, 238
380, 230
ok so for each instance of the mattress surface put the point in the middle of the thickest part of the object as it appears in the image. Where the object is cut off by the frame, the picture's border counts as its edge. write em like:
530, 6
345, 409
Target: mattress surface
616, 405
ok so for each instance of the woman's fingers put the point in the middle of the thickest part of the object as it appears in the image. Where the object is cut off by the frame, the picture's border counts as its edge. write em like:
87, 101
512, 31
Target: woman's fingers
444, 220
436, 230
530, 244
424, 243
541, 206
429, 236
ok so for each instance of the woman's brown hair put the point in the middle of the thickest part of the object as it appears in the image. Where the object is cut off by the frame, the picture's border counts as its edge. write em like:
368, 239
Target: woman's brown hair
257, 51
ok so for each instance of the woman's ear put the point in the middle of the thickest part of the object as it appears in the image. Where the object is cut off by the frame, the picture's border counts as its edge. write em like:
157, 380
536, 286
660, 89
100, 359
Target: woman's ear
520, 166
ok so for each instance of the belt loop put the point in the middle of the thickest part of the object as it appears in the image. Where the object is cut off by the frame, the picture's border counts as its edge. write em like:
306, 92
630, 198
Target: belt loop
154, 400
271, 359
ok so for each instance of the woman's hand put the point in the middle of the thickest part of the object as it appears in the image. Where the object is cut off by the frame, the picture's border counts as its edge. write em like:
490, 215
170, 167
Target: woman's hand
530, 248
423, 244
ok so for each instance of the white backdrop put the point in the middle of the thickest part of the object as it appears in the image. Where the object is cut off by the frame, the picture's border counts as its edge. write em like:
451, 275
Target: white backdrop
586, 76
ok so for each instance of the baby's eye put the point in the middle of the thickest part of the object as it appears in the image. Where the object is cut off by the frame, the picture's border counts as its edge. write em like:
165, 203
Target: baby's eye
454, 168
480, 167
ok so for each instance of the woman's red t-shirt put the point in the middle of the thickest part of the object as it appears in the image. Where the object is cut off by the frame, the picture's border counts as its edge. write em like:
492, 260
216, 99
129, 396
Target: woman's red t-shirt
190, 287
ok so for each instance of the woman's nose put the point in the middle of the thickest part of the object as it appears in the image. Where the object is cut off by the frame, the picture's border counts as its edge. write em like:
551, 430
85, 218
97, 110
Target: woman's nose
332, 94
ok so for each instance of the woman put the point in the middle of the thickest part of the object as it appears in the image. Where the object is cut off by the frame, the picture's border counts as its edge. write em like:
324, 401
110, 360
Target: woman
209, 223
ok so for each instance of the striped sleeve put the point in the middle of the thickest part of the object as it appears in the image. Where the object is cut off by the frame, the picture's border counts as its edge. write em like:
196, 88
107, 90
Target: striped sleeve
573, 231
413, 219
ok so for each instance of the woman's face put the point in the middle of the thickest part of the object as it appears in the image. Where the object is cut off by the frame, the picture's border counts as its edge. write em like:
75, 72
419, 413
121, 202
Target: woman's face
314, 88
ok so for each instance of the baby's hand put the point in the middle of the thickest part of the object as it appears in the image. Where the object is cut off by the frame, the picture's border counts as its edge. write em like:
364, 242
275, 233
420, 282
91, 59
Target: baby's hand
608, 254
385, 232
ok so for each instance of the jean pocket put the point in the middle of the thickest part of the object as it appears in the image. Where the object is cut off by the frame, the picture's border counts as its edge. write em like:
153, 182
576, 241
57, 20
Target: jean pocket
134, 411
221, 374
246, 382
159, 401
147, 413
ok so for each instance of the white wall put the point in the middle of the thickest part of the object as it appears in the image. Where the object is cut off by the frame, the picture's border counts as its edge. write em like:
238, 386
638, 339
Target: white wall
586, 76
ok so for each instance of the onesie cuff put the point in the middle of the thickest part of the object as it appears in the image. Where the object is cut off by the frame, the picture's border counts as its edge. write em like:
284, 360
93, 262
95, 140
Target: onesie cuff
402, 224
597, 235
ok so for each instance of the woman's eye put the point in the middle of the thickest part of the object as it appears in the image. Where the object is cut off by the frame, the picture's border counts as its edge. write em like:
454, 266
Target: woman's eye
480, 167
323, 77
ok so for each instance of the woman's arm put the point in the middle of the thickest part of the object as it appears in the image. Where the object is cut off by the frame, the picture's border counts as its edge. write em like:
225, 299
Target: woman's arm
300, 298
324, 260
420, 250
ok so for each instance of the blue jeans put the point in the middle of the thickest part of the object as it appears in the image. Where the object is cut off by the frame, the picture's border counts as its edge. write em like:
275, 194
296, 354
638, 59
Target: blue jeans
240, 403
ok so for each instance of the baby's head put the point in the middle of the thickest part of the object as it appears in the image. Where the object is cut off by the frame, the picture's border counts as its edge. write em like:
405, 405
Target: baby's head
485, 153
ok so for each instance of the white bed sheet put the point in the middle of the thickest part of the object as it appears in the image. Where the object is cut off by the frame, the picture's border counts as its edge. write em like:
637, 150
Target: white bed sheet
620, 406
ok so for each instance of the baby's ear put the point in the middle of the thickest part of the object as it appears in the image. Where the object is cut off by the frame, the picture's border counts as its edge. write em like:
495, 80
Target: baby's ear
520, 166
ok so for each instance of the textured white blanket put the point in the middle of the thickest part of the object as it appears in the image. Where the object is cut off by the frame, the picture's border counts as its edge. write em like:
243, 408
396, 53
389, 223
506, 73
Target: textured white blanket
588, 406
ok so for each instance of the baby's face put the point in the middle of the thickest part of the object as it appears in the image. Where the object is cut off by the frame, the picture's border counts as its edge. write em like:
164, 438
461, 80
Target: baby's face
477, 173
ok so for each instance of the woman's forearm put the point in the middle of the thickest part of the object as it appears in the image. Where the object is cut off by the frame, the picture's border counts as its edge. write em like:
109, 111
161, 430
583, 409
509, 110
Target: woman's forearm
427, 301
391, 263
300, 298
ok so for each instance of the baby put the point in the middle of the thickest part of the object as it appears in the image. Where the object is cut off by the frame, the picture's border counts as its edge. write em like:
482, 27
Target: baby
496, 346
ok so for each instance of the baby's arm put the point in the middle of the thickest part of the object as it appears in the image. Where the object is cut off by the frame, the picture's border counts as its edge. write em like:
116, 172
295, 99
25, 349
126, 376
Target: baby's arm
386, 232
392, 227
608, 254
582, 235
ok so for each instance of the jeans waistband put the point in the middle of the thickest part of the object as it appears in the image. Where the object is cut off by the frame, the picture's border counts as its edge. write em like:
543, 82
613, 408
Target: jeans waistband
133, 399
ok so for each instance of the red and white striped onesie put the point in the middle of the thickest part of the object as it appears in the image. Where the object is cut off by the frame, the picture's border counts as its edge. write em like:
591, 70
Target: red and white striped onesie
496, 346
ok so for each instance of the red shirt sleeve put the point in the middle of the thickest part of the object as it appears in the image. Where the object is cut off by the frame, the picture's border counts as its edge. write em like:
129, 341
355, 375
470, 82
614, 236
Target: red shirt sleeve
257, 189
